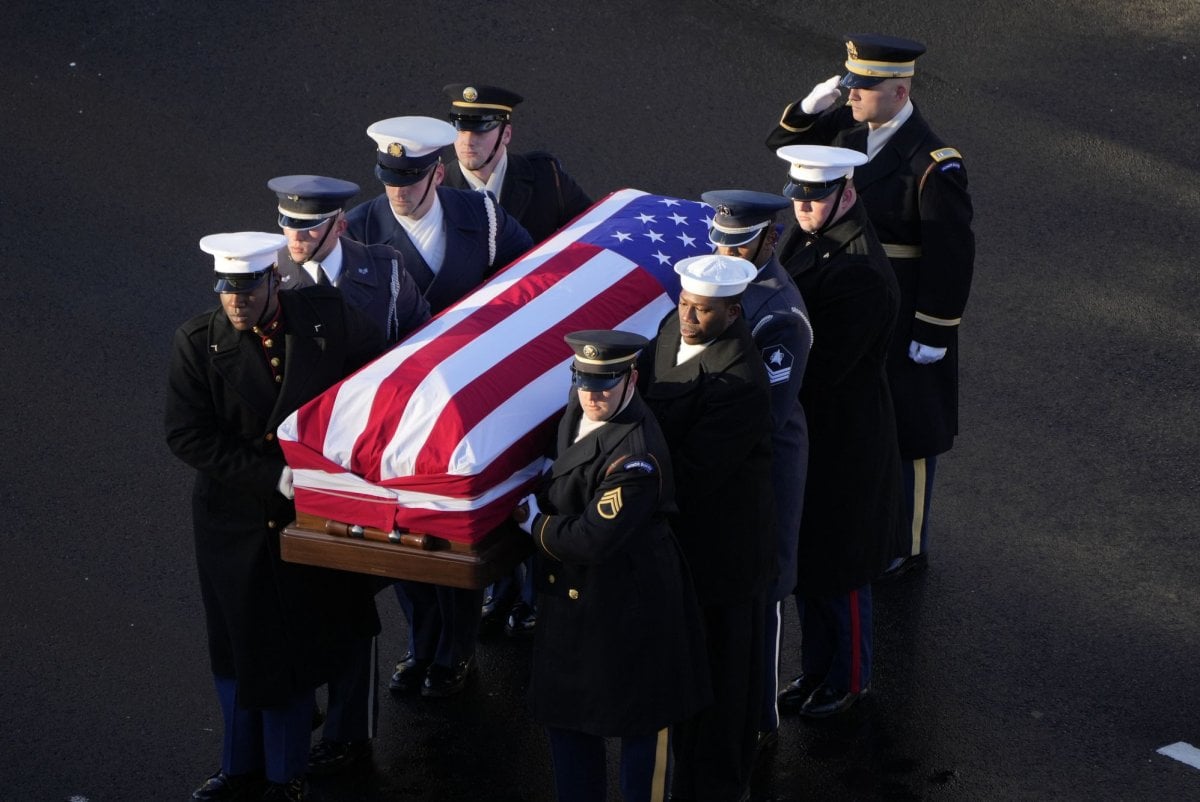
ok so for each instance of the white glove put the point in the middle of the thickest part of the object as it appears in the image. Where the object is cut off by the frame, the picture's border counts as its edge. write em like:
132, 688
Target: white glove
924, 354
285, 484
525, 512
822, 96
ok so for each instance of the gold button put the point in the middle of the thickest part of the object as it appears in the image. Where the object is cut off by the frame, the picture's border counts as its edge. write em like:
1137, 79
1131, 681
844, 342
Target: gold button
270, 436
279, 379
574, 594
550, 579
267, 343
270, 524
274, 361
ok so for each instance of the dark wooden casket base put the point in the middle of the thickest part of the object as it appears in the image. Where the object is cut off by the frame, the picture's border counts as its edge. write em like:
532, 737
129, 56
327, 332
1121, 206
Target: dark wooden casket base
332, 544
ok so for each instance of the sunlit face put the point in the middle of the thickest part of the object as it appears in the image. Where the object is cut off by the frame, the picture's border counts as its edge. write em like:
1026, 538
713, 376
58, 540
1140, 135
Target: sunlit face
877, 104
302, 242
812, 214
416, 199
603, 404
702, 319
474, 147
245, 309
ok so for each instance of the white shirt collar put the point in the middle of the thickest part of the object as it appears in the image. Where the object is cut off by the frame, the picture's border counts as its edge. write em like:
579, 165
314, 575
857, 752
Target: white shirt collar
427, 234
878, 137
495, 180
331, 264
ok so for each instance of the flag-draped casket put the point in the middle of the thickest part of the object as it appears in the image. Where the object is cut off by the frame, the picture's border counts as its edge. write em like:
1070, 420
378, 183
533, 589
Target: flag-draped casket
444, 433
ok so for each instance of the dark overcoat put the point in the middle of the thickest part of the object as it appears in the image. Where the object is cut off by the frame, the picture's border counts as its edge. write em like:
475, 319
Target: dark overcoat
468, 260
372, 279
779, 324
619, 646
851, 524
536, 190
915, 193
274, 626
715, 411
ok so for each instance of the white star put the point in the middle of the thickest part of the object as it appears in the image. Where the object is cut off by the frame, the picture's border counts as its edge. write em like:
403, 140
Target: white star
707, 220
646, 218
622, 236
686, 240
654, 236
679, 219
662, 258
669, 202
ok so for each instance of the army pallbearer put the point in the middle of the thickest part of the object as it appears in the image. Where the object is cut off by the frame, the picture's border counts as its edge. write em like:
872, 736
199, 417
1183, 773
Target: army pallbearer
276, 630
704, 379
914, 189
851, 524
619, 651
744, 225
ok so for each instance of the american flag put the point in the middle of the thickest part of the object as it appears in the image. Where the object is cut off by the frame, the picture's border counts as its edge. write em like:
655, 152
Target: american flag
445, 432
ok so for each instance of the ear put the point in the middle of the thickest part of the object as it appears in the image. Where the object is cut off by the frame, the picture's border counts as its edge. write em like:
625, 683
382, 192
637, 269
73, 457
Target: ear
339, 227
439, 173
507, 135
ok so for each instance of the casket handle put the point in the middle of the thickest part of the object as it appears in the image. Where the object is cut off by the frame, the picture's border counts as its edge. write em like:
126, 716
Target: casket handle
410, 539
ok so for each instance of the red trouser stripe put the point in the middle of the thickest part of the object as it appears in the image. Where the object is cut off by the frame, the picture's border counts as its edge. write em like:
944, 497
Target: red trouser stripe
855, 645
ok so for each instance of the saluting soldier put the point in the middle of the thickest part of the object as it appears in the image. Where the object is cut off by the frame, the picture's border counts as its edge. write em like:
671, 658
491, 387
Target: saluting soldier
744, 225
704, 379
451, 239
619, 651
851, 523
371, 277
914, 189
533, 187
276, 630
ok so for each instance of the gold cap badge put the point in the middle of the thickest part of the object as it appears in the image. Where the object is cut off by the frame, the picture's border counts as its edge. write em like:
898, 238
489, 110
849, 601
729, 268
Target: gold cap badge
589, 351
851, 51
470, 95
395, 149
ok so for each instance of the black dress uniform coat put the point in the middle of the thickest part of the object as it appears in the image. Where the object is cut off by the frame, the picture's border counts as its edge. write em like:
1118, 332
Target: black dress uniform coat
915, 193
619, 647
851, 523
536, 191
372, 279
467, 262
778, 321
274, 626
714, 410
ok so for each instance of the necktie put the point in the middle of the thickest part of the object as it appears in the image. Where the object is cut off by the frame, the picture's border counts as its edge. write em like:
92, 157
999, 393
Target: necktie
322, 277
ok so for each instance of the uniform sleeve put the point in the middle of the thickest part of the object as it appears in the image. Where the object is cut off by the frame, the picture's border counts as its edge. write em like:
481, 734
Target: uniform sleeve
783, 340
197, 435
623, 503
364, 340
572, 200
356, 222
947, 254
857, 308
797, 128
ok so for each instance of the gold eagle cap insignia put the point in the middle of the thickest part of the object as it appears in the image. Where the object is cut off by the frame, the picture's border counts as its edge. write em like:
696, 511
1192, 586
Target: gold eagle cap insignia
470, 94
851, 51
395, 149
609, 504
589, 351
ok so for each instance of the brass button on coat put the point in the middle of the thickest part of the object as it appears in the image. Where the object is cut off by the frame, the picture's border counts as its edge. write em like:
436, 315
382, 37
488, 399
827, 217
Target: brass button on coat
574, 594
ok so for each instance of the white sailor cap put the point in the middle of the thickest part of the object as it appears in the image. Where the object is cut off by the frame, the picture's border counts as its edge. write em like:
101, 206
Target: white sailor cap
817, 170
408, 146
715, 276
242, 259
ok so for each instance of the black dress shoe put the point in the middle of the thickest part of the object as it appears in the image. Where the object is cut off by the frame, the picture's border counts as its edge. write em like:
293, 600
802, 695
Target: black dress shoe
907, 566
409, 675
796, 693
828, 701
521, 621
294, 791
222, 787
447, 681
332, 757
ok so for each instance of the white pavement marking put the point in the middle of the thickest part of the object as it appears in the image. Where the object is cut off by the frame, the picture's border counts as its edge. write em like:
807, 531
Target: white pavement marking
1183, 752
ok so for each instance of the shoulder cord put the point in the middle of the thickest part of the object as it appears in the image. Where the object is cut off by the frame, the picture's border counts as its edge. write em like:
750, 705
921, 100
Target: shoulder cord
393, 322
491, 214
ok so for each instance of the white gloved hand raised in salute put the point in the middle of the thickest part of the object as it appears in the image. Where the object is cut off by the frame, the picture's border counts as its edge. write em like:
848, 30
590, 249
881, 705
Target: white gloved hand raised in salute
822, 96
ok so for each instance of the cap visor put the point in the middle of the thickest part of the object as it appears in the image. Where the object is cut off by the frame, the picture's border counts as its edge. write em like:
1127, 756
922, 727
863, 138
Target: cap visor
474, 124
853, 80
727, 240
596, 382
298, 224
807, 191
399, 178
241, 283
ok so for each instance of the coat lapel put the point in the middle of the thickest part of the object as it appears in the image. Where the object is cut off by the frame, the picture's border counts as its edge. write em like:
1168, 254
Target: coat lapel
237, 358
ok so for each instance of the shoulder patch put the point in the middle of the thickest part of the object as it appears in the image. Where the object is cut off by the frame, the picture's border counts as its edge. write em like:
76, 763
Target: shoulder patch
639, 465
941, 154
778, 361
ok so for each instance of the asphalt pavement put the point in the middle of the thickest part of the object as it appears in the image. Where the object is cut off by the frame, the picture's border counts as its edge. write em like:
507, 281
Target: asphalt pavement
1048, 652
